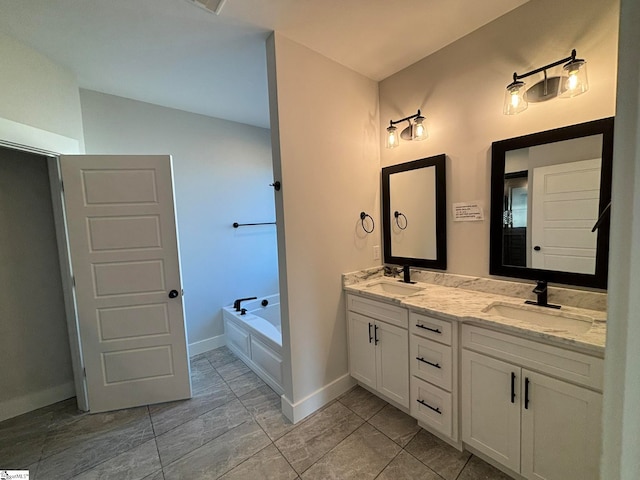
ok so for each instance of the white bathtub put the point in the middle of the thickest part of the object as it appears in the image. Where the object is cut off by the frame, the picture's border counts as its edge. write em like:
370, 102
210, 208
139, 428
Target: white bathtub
256, 337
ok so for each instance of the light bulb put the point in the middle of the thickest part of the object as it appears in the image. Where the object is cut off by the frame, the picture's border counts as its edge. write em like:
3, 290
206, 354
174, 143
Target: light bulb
515, 99
419, 131
393, 139
575, 82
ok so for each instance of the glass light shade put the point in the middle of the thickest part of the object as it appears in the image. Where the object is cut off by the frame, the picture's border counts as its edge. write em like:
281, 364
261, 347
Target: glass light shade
419, 130
515, 98
574, 79
393, 137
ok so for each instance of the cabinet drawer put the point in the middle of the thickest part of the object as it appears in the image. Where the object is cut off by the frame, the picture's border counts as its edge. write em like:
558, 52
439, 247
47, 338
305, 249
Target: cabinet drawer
431, 361
378, 310
429, 327
432, 406
564, 364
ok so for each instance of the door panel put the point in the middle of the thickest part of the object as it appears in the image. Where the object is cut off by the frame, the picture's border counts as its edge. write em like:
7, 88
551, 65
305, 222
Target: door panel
362, 352
124, 252
392, 362
560, 430
490, 419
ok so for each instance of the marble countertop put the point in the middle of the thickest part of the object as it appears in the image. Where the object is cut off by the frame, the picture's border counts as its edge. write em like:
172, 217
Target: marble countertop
458, 304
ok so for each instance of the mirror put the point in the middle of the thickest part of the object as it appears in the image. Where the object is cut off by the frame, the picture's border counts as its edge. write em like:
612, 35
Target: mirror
548, 191
414, 213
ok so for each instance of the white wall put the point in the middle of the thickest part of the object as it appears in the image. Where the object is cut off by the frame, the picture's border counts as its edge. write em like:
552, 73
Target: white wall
35, 360
37, 92
222, 172
621, 410
460, 90
324, 119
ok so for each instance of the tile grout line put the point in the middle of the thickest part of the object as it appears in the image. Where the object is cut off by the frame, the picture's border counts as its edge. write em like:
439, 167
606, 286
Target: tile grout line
463, 467
431, 469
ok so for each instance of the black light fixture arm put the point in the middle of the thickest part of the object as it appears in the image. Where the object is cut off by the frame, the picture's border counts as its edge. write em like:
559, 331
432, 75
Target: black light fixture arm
571, 58
410, 117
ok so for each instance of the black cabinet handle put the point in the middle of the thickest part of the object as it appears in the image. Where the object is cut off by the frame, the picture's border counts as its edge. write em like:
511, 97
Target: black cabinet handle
173, 294
434, 330
513, 387
420, 359
526, 393
375, 333
422, 402
370, 337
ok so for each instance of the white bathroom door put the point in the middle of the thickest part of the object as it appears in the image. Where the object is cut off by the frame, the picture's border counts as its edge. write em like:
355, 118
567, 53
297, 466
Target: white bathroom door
123, 243
565, 201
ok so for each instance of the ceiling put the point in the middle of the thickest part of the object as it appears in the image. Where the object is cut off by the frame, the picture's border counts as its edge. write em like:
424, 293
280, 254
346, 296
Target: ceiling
175, 54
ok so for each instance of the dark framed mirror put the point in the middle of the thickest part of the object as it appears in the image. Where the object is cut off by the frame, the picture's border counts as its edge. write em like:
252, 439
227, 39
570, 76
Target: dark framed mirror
414, 213
548, 192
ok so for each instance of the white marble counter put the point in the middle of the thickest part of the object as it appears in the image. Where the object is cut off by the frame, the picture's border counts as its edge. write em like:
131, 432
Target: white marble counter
459, 304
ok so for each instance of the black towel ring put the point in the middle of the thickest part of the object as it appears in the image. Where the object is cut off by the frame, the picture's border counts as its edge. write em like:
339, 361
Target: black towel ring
363, 216
398, 215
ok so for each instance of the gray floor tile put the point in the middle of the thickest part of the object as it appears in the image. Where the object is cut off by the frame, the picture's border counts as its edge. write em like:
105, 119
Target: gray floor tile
363, 455
22, 438
220, 455
245, 383
314, 437
220, 356
195, 433
229, 371
441, 457
166, 416
265, 406
362, 402
84, 427
89, 443
406, 467
204, 378
135, 464
396, 425
477, 469
155, 476
268, 464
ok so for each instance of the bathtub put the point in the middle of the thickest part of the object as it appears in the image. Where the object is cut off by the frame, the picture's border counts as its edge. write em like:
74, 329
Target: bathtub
256, 337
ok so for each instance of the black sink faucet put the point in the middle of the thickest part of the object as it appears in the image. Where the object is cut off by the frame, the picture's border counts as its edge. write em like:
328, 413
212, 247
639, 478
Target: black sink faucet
406, 270
542, 292
236, 303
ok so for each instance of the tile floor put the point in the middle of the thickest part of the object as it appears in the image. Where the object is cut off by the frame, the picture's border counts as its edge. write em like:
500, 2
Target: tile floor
232, 428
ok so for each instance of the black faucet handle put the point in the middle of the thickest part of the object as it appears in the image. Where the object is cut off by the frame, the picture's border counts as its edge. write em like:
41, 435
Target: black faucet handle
541, 286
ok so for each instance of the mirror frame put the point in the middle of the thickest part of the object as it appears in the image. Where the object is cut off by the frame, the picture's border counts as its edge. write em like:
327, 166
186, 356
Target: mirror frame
440, 262
602, 127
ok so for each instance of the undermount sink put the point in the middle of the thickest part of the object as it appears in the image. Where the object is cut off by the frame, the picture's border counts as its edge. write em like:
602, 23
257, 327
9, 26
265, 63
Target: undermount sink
393, 288
542, 317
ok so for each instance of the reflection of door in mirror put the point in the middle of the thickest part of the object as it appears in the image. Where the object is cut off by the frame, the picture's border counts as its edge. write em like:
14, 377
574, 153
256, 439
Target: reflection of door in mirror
562, 198
414, 234
515, 218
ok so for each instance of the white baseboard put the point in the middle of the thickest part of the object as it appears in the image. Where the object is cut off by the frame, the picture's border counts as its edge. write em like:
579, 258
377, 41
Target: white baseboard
196, 348
26, 403
305, 407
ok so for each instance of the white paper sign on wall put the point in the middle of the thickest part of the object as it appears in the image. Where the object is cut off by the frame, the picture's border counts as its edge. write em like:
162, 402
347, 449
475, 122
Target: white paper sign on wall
467, 212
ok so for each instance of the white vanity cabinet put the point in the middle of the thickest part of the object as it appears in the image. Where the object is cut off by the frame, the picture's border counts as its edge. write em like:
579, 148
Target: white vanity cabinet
536, 409
434, 379
379, 347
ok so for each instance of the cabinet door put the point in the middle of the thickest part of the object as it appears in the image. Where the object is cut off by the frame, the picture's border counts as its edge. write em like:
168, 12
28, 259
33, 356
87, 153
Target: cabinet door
490, 411
362, 350
560, 430
392, 362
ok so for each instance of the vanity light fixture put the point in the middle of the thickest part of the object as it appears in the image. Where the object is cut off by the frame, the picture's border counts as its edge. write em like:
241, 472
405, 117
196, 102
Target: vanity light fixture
572, 82
415, 131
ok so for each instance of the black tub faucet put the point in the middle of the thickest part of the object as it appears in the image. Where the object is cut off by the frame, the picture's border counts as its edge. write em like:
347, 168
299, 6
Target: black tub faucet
236, 303
541, 291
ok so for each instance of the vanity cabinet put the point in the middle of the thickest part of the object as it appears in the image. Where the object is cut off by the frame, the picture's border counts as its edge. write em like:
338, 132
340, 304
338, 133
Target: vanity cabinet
379, 347
517, 413
433, 360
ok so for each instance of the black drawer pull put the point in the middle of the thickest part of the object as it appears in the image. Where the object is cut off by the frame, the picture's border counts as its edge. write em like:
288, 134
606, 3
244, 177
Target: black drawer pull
370, 337
375, 334
513, 387
434, 330
420, 359
422, 402
526, 393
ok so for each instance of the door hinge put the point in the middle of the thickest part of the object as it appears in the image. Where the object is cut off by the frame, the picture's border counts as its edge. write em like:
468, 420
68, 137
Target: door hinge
84, 372
61, 185
73, 280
